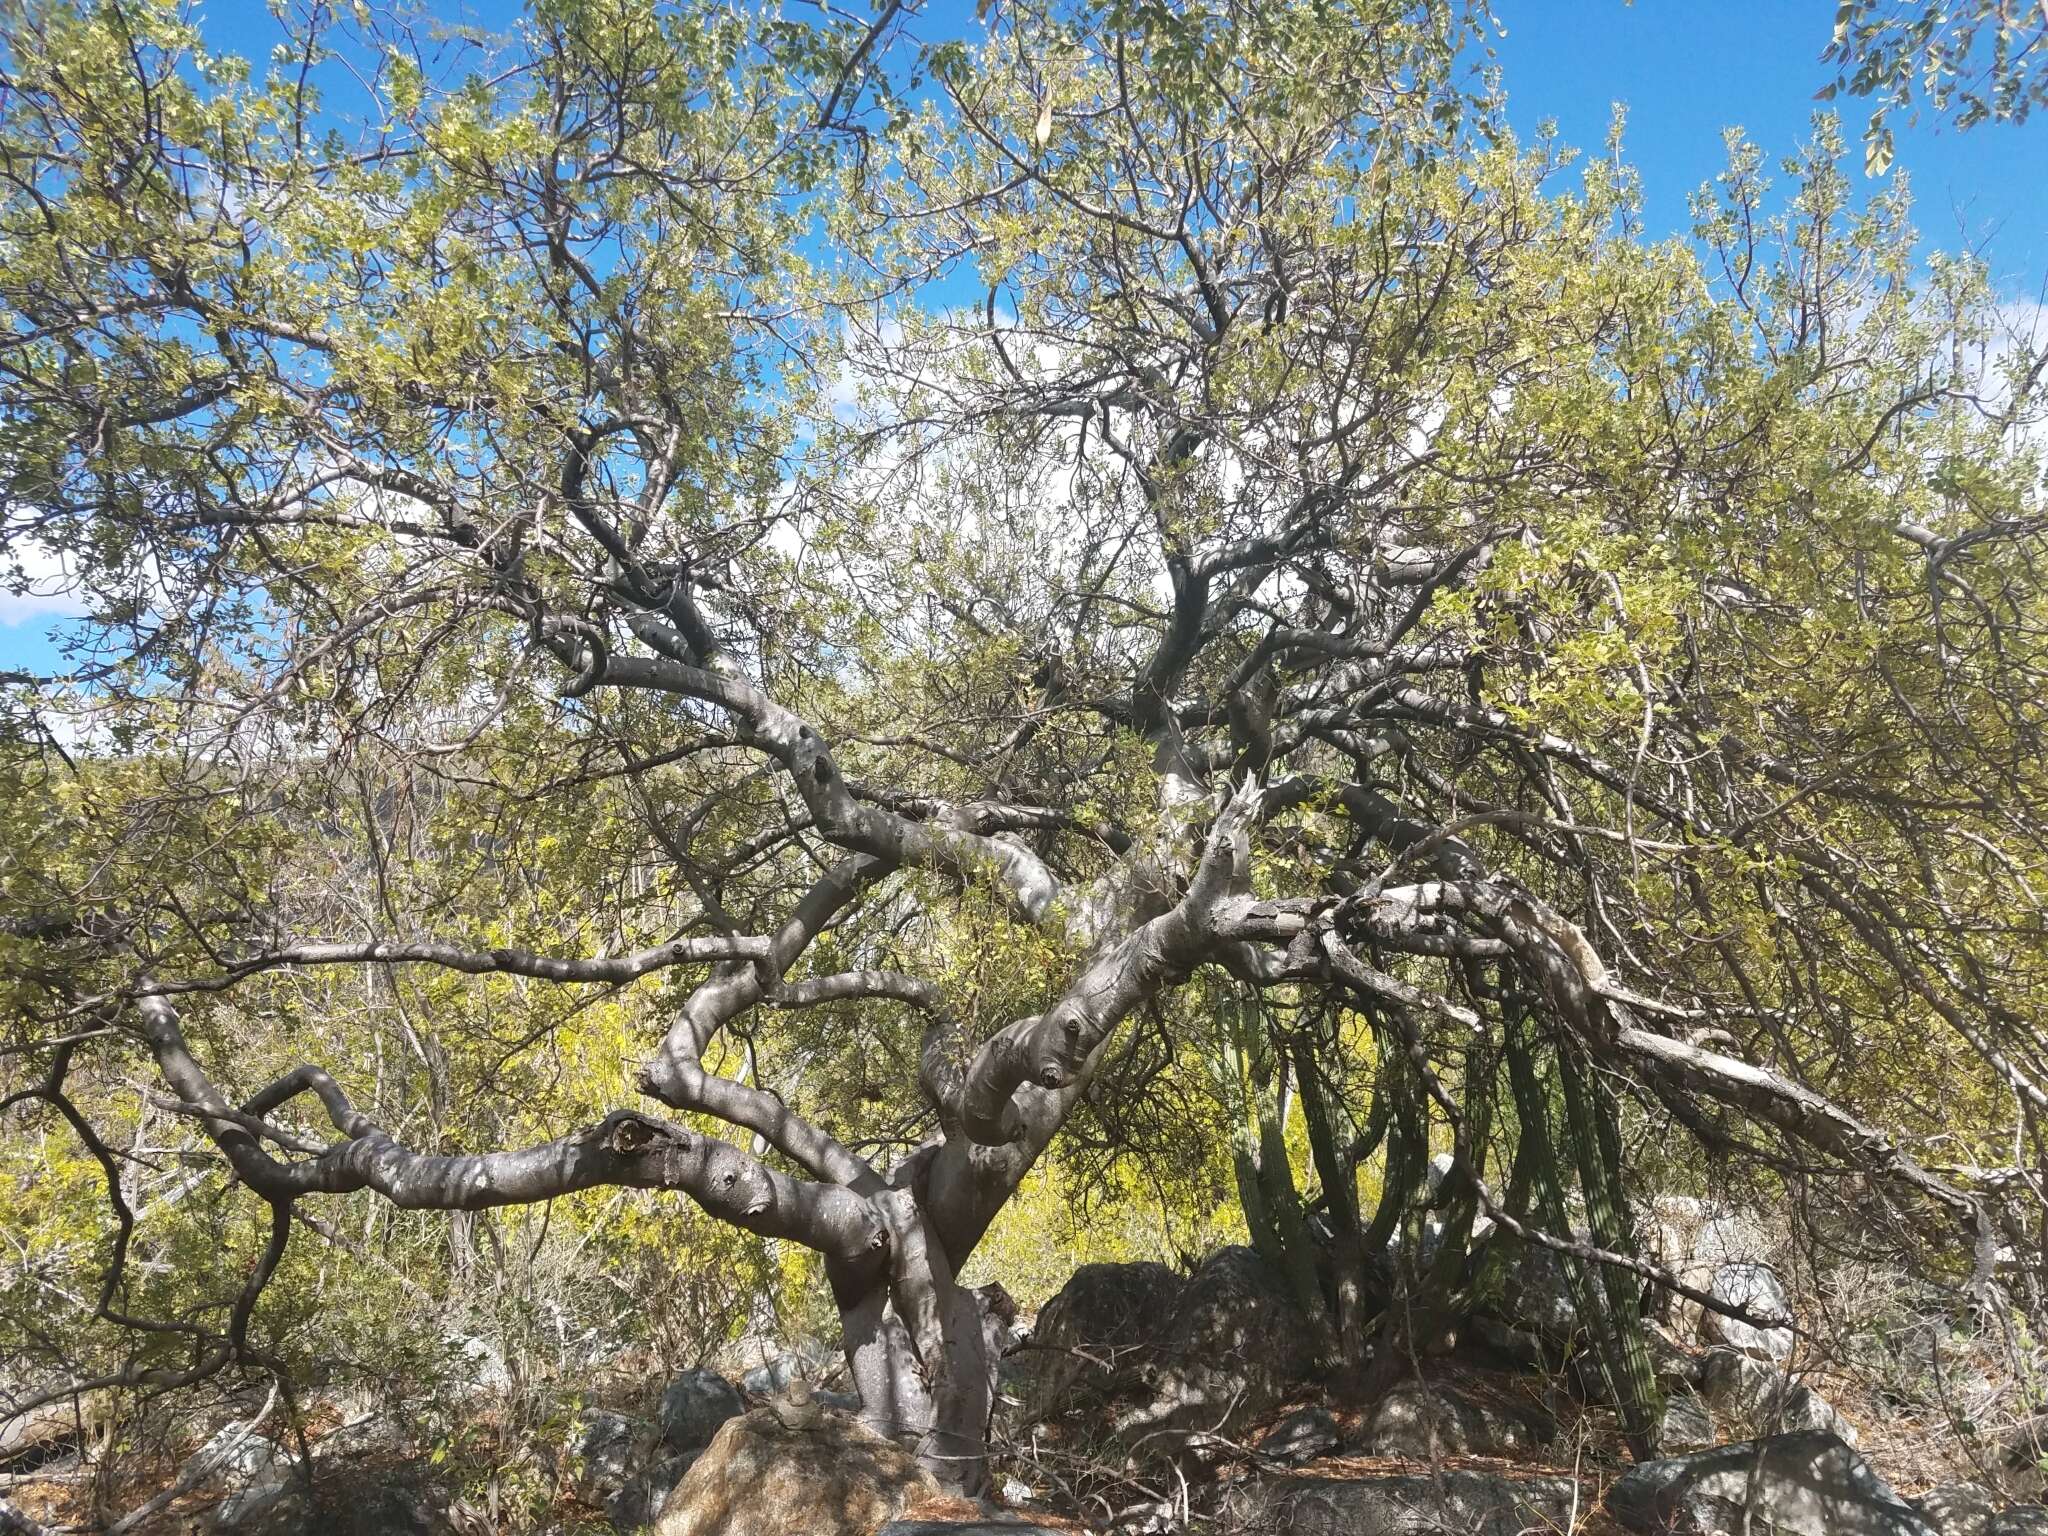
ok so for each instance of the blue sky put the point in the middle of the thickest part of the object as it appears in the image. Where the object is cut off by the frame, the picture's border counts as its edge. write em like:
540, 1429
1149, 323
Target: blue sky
1686, 71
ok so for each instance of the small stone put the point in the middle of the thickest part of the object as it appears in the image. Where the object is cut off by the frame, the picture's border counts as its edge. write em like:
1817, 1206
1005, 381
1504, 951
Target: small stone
798, 1408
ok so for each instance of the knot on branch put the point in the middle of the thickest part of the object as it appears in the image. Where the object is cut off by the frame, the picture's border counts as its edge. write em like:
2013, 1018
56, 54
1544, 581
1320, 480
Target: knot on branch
657, 1079
628, 1135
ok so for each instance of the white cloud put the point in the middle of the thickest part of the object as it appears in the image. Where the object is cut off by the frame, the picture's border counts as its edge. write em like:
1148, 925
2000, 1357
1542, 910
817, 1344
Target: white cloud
2019, 336
34, 584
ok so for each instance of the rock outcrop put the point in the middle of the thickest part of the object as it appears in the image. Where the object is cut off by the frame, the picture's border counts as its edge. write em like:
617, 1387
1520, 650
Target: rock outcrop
1756, 1289
1687, 1424
347, 1506
1756, 1399
1234, 1347
1464, 1500
1539, 1318
1958, 1509
1807, 1484
626, 1466
1424, 1420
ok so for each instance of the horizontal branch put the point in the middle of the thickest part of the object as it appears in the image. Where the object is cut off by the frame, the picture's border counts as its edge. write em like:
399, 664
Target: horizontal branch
611, 969
624, 1149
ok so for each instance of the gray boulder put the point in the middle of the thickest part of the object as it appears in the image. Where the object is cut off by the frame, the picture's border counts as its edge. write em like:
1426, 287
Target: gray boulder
1536, 1320
1432, 1237
1756, 1399
1104, 1318
638, 1499
1757, 1289
1517, 1344
375, 1433
1538, 1304
624, 1465
1686, 1425
1433, 1176
259, 1509
604, 1449
1462, 1500
1153, 1355
693, 1405
2020, 1520
1808, 1484
1958, 1509
1674, 1363
39, 1436
387, 1509
775, 1375
1302, 1436
235, 1463
265, 1492
1422, 1420
766, 1362
1233, 1347
474, 1362
354, 1507
1693, 1238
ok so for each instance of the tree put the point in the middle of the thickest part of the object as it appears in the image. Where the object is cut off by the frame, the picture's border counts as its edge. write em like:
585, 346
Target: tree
920, 568
1981, 60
